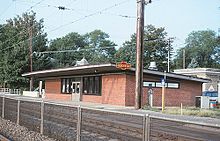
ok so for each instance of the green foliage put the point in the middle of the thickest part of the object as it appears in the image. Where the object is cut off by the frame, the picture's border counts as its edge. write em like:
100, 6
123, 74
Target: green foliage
94, 46
72, 41
155, 48
203, 46
104, 48
14, 46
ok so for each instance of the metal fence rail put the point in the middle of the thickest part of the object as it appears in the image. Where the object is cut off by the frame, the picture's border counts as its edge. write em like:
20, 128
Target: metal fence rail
60, 122
66, 122
10, 91
111, 124
30, 115
10, 110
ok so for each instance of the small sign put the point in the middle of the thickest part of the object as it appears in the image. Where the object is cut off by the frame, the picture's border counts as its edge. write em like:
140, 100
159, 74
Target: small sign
163, 82
123, 65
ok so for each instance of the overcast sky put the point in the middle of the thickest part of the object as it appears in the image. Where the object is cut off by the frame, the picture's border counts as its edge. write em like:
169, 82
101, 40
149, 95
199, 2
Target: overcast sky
118, 17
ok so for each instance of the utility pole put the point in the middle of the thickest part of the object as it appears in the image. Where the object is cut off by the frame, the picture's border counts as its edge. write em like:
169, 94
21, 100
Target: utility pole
168, 56
30, 54
163, 91
139, 53
184, 59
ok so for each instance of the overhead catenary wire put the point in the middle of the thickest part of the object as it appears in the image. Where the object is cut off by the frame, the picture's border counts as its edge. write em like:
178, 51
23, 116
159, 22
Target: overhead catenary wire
23, 29
6, 9
75, 50
77, 10
35, 5
82, 18
89, 15
18, 43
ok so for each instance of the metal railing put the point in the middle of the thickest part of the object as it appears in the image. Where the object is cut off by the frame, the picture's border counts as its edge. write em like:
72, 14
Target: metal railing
67, 122
9, 91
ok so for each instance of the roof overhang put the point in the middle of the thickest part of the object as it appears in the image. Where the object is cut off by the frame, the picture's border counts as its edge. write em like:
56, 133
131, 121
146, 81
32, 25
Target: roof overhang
102, 69
197, 71
76, 70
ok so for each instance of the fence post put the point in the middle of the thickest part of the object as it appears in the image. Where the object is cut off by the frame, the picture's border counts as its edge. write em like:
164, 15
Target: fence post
146, 128
18, 112
79, 121
42, 117
3, 107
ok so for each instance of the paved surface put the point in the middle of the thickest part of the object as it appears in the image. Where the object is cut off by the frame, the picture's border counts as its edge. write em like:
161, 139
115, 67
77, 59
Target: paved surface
200, 120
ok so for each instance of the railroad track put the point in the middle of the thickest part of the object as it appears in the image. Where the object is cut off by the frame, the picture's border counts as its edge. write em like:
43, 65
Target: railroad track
3, 138
103, 123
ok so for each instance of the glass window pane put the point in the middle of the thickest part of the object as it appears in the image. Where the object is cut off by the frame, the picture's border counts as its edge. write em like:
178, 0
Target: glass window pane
147, 84
158, 84
173, 85
90, 85
63, 86
67, 85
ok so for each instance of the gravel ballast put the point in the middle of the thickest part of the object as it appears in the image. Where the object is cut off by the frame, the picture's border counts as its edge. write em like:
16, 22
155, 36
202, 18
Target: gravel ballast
16, 132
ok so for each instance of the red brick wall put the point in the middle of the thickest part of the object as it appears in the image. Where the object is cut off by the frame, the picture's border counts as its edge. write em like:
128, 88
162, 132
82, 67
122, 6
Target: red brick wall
53, 90
130, 90
119, 89
113, 89
173, 97
92, 98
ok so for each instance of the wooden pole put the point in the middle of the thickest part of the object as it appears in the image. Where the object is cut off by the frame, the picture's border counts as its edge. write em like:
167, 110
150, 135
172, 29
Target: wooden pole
139, 53
146, 128
184, 59
79, 121
3, 107
30, 55
18, 112
42, 118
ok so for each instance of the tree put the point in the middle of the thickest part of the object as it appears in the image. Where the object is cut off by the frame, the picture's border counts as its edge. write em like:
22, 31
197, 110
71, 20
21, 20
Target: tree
100, 48
72, 41
203, 47
14, 46
155, 48
94, 46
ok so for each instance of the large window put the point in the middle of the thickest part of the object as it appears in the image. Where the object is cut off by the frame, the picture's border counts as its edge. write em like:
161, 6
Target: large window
174, 85
92, 85
66, 84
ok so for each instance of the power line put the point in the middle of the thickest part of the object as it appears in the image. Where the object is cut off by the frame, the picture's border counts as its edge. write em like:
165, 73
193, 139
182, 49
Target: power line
82, 18
57, 7
76, 10
18, 43
23, 29
6, 9
35, 5
89, 15
63, 51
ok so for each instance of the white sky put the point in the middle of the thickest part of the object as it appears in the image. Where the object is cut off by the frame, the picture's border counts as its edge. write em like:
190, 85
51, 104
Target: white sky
179, 17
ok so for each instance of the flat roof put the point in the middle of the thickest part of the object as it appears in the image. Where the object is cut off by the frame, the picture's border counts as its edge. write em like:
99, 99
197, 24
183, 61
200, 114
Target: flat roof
101, 69
198, 70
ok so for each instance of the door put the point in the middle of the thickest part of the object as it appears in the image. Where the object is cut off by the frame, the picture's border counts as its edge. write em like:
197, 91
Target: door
75, 91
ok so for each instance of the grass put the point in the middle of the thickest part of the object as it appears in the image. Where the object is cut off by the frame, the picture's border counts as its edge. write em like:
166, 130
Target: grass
192, 111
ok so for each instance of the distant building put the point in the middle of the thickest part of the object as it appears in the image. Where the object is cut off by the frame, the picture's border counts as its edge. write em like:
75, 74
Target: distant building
207, 73
107, 84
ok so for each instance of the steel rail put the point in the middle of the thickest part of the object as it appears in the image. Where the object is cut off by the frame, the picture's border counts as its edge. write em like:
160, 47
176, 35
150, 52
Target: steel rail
186, 121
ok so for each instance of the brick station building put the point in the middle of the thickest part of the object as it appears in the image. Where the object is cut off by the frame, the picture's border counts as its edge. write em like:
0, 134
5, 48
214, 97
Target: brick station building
107, 84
